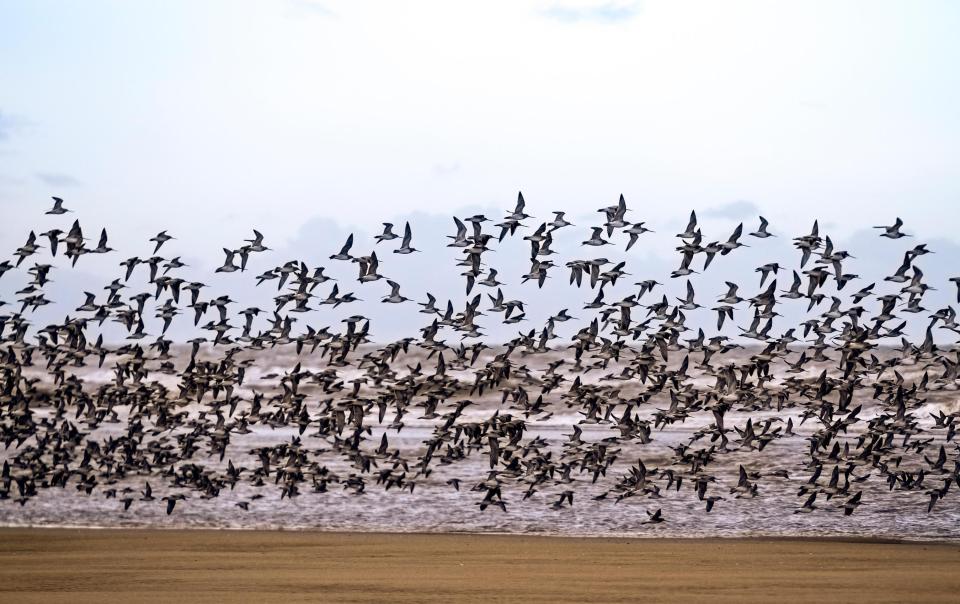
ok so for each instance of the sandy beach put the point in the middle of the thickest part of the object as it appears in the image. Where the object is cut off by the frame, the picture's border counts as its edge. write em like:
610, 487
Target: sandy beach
46, 565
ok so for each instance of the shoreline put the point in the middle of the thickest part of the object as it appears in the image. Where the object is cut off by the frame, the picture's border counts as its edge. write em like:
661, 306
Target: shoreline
585, 537
208, 565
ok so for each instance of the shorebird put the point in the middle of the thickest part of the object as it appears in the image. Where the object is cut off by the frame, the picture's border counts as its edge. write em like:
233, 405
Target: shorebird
460, 239
388, 234
847, 388
691, 231
732, 243
368, 268
27, 249
394, 297
635, 230
256, 244
892, 232
228, 265
344, 253
761, 232
102, 247
615, 216
57, 207
405, 242
160, 238
559, 221
596, 238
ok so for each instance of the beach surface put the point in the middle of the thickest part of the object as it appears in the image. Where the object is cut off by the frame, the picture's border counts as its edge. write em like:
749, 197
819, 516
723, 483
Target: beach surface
65, 565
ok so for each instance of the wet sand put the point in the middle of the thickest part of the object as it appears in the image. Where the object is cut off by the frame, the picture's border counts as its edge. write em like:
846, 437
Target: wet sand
49, 565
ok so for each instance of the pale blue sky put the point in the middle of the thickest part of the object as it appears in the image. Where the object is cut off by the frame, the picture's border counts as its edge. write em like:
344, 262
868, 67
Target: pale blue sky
257, 113
211, 118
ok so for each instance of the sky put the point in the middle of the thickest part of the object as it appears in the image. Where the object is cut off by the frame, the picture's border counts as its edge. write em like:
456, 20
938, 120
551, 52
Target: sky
213, 118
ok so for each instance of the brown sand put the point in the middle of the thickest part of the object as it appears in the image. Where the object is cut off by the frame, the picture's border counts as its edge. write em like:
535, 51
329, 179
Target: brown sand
38, 565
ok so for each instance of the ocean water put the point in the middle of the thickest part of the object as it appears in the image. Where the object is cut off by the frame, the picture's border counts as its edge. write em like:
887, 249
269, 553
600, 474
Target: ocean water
434, 505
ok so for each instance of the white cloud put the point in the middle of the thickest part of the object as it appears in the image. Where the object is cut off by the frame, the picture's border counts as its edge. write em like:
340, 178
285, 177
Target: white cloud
735, 210
220, 108
602, 12
57, 179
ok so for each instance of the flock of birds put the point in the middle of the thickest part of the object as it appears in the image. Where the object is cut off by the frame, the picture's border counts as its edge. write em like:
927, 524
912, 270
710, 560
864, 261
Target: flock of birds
631, 367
